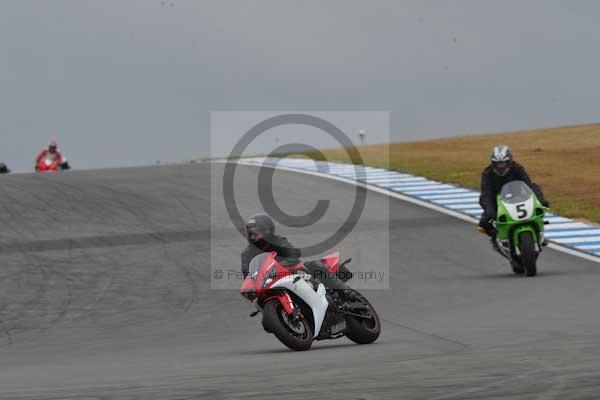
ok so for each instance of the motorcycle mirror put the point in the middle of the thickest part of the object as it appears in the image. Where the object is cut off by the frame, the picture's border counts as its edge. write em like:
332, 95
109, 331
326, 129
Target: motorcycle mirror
345, 262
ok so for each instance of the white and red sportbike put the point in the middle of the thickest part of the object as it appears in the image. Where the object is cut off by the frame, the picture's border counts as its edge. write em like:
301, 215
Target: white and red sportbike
298, 309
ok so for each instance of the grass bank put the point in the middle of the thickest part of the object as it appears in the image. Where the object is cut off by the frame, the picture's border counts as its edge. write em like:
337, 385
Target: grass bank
565, 161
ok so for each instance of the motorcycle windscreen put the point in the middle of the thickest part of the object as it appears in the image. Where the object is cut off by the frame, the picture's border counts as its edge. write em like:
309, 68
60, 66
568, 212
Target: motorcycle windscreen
518, 199
515, 192
255, 264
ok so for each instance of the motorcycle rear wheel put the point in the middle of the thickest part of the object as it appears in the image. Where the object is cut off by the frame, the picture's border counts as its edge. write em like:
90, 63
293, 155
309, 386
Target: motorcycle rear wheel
362, 330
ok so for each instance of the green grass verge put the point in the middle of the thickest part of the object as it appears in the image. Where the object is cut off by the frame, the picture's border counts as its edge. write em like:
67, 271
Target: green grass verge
565, 161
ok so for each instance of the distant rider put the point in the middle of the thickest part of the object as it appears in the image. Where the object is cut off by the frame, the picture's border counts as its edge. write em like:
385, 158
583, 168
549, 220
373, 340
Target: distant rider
260, 231
3, 168
502, 169
52, 153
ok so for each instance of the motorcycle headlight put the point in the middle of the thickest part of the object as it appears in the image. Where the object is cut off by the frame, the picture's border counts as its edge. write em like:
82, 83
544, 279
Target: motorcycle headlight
249, 295
271, 274
539, 211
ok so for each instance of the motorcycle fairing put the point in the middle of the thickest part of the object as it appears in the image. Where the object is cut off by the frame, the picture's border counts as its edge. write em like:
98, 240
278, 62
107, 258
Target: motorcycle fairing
316, 300
332, 261
286, 301
516, 210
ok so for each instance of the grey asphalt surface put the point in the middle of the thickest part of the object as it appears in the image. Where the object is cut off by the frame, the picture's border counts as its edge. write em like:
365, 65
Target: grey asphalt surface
105, 293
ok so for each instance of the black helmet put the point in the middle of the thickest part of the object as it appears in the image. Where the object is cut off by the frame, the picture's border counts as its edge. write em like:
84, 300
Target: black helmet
261, 224
502, 160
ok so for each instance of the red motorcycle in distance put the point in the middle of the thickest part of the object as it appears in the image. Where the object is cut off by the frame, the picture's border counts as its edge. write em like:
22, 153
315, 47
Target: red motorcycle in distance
49, 164
298, 309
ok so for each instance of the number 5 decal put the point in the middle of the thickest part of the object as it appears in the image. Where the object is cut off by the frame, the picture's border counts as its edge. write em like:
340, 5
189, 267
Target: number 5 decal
521, 210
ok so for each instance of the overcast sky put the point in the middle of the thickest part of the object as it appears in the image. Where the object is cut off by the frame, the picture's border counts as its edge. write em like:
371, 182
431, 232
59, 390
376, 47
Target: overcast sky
131, 82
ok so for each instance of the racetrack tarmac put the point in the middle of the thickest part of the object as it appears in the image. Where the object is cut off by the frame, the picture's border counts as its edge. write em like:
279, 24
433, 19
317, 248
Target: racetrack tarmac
105, 293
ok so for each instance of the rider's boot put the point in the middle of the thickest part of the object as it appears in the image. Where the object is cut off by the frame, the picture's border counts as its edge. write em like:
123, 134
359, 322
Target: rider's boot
344, 296
494, 243
351, 295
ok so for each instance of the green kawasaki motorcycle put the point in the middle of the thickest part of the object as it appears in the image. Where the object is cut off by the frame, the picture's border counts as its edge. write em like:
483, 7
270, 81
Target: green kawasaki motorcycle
520, 227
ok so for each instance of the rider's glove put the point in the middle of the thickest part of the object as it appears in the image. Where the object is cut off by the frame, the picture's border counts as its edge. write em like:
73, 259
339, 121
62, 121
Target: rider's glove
545, 203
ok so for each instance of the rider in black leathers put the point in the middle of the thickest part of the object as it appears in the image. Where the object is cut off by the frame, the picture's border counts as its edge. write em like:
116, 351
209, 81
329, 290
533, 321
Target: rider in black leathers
502, 169
260, 231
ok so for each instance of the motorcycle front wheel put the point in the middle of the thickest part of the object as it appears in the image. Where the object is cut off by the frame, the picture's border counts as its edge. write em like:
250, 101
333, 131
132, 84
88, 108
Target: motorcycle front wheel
293, 331
528, 254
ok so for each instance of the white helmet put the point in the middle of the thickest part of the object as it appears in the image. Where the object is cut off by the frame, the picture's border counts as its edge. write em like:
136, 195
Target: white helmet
502, 160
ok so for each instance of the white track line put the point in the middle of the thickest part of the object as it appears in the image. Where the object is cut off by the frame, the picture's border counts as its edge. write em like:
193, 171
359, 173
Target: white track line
566, 225
436, 197
590, 247
449, 189
465, 200
426, 204
573, 234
